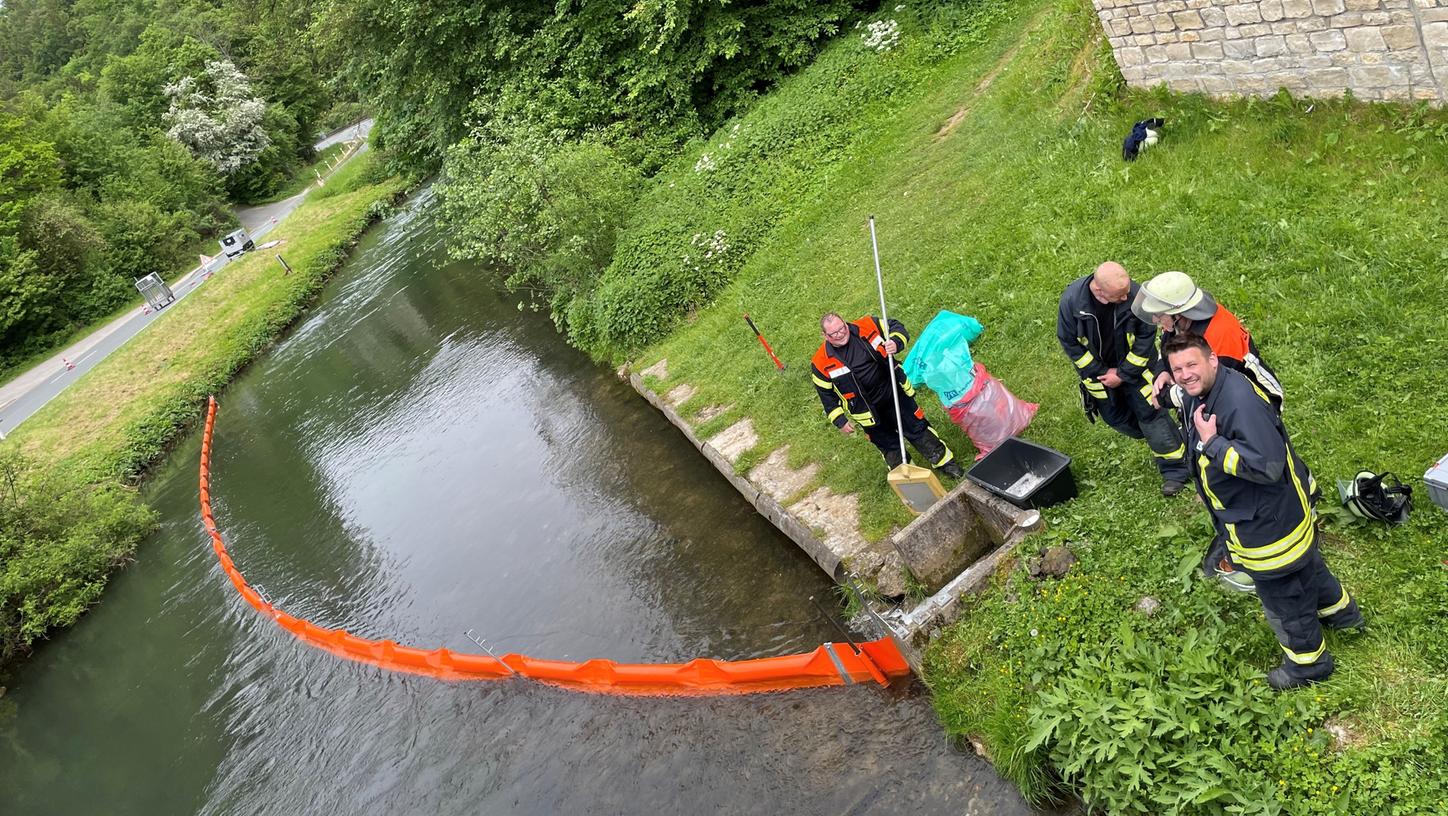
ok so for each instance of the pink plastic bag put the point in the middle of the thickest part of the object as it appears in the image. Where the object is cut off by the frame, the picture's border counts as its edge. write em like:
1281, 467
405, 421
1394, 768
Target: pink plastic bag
989, 413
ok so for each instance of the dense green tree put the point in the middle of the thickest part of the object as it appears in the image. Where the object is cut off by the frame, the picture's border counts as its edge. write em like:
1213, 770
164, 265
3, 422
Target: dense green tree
544, 212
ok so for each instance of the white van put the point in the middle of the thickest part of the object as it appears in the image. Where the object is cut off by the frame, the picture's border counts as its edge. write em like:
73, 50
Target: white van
237, 243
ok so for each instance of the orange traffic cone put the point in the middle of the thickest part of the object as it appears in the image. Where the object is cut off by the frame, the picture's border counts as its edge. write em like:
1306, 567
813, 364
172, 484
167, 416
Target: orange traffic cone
69, 366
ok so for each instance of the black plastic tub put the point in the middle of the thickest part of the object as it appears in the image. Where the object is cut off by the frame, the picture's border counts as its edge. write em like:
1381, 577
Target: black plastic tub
1025, 474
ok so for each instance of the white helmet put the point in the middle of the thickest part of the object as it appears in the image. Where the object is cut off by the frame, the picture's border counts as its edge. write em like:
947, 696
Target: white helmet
1173, 293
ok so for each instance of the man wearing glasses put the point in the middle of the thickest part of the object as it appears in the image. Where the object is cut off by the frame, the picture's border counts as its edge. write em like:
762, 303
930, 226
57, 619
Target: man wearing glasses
853, 383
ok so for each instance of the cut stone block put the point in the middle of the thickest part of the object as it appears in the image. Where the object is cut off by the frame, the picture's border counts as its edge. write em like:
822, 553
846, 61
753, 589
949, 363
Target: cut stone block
776, 478
734, 440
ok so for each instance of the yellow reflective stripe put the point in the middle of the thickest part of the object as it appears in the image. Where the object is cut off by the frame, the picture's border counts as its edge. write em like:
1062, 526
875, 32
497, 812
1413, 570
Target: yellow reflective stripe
1286, 549
839, 411
1231, 460
1304, 658
820, 382
901, 341
1260, 392
1262, 562
1085, 360
1202, 462
908, 388
1179, 453
1335, 608
1136, 359
1146, 390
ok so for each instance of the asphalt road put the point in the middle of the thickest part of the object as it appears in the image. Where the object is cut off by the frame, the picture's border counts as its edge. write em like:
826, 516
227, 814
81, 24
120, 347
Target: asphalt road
27, 393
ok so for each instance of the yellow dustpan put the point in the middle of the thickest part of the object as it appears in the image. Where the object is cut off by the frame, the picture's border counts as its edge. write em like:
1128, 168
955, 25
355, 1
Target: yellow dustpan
916, 486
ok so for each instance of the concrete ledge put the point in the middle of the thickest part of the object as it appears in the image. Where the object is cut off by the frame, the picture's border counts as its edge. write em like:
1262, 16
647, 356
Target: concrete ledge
954, 547
765, 504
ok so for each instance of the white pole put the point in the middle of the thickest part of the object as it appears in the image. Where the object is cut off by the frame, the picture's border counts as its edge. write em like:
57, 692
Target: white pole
885, 320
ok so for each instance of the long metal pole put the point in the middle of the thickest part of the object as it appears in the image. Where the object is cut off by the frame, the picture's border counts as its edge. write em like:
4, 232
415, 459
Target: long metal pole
885, 319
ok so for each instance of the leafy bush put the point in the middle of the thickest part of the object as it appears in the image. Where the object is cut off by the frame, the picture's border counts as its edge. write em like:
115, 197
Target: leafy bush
544, 213
644, 77
1173, 726
58, 543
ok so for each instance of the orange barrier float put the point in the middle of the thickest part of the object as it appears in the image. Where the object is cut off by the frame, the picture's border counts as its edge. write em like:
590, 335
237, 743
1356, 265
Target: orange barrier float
829, 665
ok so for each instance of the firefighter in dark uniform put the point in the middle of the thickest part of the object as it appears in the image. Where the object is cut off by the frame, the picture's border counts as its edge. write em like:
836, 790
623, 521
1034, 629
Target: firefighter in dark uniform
853, 384
1114, 352
1258, 493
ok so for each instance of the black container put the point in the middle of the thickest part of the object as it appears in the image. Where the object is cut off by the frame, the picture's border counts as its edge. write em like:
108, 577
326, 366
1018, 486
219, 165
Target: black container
1025, 474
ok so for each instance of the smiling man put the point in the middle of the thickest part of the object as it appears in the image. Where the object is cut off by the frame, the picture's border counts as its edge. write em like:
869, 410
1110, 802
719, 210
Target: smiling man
1258, 493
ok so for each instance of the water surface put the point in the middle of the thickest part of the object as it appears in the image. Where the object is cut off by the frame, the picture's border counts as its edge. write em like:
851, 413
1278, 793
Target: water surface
417, 459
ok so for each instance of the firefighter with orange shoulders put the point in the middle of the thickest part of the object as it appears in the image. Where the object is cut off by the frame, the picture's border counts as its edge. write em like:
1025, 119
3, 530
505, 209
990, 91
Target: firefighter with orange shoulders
853, 383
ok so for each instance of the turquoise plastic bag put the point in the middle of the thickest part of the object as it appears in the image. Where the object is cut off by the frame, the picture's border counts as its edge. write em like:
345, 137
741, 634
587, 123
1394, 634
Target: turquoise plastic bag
940, 356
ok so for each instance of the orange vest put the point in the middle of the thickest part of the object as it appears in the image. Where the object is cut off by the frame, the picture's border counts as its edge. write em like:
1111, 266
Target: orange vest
1226, 335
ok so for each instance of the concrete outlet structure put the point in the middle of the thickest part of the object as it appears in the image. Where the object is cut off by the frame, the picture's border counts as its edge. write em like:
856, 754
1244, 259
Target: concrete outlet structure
1378, 49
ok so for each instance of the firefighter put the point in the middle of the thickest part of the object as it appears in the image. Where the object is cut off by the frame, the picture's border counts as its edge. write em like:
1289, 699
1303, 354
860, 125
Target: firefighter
1175, 304
1114, 352
1257, 491
853, 384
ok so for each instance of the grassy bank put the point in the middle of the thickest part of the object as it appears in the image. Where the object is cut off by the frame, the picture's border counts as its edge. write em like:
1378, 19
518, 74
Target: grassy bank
95, 439
989, 151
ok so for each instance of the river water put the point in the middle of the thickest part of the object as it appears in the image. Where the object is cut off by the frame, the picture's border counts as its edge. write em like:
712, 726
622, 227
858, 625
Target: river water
416, 459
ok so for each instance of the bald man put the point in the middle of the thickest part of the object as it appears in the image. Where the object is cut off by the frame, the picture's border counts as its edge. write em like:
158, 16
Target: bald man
1114, 352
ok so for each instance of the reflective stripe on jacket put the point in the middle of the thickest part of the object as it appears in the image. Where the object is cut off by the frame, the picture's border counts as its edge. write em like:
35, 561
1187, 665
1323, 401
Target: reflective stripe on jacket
1255, 486
1080, 336
839, 387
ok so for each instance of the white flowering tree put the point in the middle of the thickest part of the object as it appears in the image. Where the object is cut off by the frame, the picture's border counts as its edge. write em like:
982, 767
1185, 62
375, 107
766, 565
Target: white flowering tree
217, 118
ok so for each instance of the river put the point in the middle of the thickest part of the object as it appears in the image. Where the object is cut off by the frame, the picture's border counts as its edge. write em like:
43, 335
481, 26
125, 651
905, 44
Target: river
418, 458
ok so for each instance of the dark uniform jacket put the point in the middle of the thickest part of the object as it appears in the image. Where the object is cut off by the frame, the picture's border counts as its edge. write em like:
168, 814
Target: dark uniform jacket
1253, 483
844, 390
1081, 335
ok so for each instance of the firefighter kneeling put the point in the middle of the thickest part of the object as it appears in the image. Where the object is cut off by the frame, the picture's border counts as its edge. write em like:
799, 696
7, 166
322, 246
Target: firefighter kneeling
1258, 493
853, 383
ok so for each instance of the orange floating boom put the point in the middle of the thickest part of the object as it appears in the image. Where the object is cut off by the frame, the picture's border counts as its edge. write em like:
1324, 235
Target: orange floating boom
828, 665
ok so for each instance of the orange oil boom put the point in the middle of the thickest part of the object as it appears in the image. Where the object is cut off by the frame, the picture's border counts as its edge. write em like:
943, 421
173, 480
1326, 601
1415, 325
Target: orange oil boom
828, 665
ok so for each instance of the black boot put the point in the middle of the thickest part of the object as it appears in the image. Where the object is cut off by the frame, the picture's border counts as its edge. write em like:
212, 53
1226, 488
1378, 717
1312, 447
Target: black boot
1290, 676
953, 470
893, 459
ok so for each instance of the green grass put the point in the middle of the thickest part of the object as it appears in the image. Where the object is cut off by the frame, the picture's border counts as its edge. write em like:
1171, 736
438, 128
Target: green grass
306, 176
102, 433
1318, 223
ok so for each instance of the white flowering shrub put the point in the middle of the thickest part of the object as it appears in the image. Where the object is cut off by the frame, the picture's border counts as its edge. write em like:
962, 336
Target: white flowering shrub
216, 117
881, 35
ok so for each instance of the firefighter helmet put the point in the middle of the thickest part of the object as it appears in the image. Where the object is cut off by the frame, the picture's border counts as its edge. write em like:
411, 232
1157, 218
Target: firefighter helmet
1173, 293
1378, 497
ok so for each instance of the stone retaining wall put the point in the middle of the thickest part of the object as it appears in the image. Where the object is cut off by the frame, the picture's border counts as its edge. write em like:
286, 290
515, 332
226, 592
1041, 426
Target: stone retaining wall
1378, 49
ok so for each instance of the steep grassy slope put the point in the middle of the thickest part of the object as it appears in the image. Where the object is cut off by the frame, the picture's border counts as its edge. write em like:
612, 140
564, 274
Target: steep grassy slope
992, 164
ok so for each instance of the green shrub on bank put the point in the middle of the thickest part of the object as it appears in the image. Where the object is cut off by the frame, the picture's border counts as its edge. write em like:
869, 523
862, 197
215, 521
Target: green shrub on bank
58, 543
541, 211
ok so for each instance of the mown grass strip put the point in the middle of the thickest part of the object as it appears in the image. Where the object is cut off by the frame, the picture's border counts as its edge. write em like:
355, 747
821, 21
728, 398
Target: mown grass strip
69, 518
